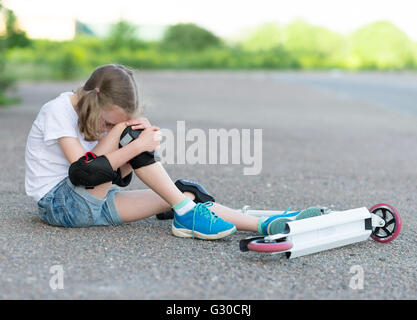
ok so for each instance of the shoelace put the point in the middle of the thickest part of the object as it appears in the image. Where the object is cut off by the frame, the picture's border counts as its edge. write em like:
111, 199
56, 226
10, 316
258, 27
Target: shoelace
286, 210
265, 224
202, 209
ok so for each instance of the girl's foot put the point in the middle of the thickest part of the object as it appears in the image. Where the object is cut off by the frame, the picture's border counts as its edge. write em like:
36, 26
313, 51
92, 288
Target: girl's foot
276, 224
201, 223
200, 195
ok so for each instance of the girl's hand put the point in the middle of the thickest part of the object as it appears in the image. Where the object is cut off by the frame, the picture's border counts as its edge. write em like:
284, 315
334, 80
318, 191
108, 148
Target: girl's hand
149, 139
138, 123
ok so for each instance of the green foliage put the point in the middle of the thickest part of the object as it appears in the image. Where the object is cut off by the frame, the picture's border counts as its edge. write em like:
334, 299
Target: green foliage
314, 46
14, 36
381, 45
188, 36
123, 35
6, 79
264, 38
70, 62
298, 45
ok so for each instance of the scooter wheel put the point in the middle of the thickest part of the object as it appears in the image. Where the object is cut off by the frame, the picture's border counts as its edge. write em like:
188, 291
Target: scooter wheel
260, 245
393, 223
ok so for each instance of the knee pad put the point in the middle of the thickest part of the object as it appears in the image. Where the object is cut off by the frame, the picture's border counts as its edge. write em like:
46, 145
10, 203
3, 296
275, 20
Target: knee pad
201, 195
122, 182
143, 159
91, 171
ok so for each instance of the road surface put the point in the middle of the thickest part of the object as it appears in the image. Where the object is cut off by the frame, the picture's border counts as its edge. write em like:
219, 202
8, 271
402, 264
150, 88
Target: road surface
333, 139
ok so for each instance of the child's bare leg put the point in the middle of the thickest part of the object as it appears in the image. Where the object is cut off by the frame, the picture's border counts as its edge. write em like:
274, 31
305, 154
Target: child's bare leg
240, 220
156, 178
139, 204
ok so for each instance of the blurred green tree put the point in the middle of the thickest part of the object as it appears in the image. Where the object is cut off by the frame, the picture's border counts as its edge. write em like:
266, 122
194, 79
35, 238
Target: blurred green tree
14, 36
298, 45
263, 38
6, 81
123, 35
314, 46
188, 36
382, 45
70, 62
2, 57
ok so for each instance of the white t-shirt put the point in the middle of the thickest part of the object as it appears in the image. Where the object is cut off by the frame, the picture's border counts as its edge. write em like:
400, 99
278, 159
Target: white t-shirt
46, 164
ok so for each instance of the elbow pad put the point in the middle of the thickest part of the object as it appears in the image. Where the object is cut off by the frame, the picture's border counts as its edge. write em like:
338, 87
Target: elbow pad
143, 159
122, 182
91, 171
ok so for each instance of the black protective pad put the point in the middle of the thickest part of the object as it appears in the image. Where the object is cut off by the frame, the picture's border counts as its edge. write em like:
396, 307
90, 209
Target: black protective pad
128, 135
122, 182
201, 195
143, 159
91, 171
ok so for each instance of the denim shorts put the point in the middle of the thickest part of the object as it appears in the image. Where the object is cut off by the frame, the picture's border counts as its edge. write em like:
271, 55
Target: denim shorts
72, 206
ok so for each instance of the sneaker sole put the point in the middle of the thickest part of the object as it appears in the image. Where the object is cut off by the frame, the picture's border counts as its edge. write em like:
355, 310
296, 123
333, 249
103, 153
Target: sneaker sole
279, 226
308, 213
186, 233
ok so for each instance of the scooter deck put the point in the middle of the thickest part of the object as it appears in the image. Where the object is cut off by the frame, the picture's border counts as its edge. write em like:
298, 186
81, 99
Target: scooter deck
324, 232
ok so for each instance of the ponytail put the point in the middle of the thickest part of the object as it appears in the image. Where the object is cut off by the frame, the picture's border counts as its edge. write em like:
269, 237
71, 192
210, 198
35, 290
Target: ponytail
88, 108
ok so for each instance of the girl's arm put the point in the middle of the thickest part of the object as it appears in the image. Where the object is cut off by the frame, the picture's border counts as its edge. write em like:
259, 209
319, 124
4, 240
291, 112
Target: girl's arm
109, 142
147, 141
73, 150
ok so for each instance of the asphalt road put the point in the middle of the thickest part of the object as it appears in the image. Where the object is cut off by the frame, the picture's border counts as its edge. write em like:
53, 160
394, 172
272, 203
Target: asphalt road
333, 139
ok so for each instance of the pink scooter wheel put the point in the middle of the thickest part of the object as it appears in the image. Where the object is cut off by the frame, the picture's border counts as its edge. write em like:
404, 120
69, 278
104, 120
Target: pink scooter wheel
393, 223
260, 245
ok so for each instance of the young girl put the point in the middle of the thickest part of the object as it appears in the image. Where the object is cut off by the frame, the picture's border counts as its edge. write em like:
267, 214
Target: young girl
74, 155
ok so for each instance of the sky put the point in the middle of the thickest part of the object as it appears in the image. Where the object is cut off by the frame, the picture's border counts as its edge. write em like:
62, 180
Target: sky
226, 18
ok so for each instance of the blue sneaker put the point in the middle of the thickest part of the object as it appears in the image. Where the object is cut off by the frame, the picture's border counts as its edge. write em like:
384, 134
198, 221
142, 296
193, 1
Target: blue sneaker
276, 224
201, 223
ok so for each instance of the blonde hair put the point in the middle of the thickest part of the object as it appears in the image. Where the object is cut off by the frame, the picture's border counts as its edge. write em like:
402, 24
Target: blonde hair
107, 86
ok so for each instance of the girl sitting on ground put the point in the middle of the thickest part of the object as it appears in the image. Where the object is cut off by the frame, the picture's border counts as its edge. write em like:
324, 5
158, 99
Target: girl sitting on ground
83, 143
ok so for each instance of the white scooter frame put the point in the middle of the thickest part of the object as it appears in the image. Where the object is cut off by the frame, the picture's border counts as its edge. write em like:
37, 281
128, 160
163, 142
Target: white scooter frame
331, 230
